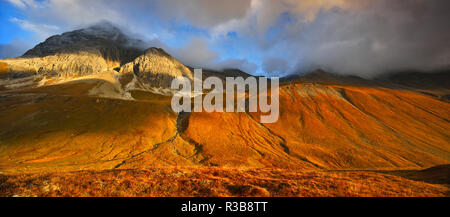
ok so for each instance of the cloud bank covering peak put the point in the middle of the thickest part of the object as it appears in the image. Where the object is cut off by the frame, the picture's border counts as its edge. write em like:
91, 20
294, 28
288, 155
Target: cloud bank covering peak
275, 38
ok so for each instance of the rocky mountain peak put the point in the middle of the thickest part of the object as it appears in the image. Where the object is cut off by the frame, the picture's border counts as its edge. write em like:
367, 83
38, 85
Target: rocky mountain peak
87, 51
99, 48
99, 36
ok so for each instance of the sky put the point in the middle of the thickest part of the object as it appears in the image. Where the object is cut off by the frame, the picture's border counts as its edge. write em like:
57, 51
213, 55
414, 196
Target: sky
261, 37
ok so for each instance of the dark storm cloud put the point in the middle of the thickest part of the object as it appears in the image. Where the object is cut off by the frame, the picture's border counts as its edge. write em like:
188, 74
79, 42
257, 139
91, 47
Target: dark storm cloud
380, 37
203, 13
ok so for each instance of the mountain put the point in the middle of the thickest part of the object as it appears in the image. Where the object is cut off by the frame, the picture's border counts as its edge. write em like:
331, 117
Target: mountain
86, 104
434, 84
156, 67
320, 76
81, 52
105, 38
93, 53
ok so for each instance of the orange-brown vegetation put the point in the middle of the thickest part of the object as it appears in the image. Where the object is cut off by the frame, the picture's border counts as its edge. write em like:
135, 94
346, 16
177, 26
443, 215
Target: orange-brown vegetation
4, 68
213, 181
331, 127
59, 141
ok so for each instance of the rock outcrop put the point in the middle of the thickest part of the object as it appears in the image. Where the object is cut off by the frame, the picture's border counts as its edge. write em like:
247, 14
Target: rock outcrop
156, 68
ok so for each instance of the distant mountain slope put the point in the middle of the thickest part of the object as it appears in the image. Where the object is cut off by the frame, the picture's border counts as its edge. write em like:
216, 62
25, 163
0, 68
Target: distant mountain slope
320, 76
435, 84
433, 81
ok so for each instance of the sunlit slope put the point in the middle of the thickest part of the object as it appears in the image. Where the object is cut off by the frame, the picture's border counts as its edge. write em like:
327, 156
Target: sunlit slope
346, 127
331, 127
321, 126
61, 128
236, 140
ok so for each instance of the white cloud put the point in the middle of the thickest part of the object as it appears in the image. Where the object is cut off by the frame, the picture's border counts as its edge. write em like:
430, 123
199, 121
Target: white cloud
18, 3
24, 3
42, 31
195, 54
203, 13
232, 63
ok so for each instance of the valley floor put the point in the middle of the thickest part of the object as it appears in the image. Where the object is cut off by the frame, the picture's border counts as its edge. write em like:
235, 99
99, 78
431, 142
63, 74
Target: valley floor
222, 182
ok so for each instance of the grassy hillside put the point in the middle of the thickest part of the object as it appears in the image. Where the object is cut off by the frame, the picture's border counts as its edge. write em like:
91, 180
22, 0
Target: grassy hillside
50, 136
61, 127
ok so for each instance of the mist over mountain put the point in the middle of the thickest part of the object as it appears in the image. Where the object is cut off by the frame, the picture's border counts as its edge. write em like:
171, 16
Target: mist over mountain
102, 35
379, 37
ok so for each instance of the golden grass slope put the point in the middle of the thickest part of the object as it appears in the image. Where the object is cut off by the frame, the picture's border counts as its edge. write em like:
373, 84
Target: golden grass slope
60, 128
4, 68
214, 181
357, 127
321, 126
331, 127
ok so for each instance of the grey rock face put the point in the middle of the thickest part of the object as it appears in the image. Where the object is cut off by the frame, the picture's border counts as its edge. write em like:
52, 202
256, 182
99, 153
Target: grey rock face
156, 68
